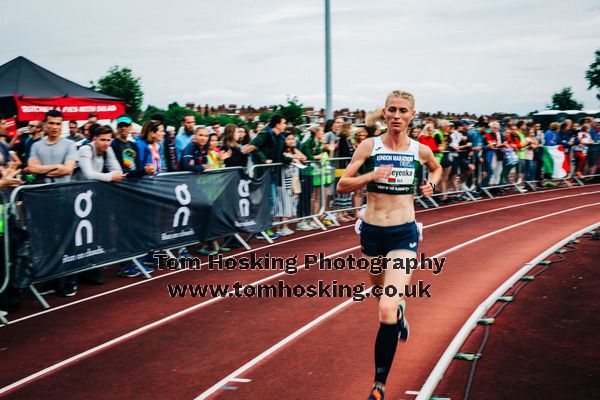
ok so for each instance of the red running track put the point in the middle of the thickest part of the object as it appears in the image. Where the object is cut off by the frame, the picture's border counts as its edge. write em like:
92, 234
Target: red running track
185, 356
543, 345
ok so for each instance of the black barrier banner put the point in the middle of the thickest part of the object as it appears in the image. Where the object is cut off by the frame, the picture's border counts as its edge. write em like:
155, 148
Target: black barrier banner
70, 226
74, 225
253, 210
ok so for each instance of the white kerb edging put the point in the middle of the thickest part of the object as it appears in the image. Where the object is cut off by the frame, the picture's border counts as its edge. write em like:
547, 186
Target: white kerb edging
438, 371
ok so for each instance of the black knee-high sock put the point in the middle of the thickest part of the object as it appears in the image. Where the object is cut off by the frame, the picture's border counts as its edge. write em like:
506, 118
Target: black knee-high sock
385, 349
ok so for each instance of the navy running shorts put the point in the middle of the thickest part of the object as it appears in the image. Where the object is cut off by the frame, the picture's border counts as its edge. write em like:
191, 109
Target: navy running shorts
380, 240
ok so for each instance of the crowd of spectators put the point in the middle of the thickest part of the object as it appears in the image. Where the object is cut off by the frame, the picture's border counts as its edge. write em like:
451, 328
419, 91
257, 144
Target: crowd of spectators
473, 154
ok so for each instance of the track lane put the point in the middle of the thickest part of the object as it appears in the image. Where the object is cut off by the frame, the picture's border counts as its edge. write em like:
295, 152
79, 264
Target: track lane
456, 237
113, 285
433, 324
557, 311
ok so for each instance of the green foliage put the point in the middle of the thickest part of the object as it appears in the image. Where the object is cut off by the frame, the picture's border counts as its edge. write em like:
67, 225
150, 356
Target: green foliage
564, 100
265, 117
174, 116
292, 111
120, 82
593, 74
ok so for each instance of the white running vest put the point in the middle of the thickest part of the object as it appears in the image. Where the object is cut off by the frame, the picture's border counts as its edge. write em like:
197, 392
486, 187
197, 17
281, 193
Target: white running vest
406, 166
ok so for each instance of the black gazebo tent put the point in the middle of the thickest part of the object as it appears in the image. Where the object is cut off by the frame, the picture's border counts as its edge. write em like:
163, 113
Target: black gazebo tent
29, 90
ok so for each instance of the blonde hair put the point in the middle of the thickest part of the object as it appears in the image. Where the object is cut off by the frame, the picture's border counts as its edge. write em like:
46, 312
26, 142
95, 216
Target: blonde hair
377, 115
403, 95
359, 129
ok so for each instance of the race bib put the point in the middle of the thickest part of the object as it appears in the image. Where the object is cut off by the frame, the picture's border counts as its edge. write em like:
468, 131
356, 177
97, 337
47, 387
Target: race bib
403, 168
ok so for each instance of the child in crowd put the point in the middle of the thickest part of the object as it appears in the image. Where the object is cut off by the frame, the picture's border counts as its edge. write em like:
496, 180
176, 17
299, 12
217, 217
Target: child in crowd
287, 193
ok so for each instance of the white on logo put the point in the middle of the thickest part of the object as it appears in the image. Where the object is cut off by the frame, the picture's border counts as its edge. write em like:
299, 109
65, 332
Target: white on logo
84, 199
413, 245
184, 198
244, 192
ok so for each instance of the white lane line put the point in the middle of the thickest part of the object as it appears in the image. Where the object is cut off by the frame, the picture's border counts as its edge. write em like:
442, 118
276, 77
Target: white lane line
514, 206
241, 380
188, 310
346, 303
508, 196
463, 333
141, 330
141, 282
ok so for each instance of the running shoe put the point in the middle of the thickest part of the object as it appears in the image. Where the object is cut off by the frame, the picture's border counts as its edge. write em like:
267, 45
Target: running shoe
205, 251
303, 226
148, 261
550, 184
403, 328
314, 225
130, 271
69, 289
148, 269
183, 252
224, 249
270, 234
376, 393
285, 232
306, 226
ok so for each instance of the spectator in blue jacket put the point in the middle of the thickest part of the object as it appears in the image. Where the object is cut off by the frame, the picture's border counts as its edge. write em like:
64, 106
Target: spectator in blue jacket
551, 137
567, 134
195, 159
185, 135
149, 148
194, 155
150, 157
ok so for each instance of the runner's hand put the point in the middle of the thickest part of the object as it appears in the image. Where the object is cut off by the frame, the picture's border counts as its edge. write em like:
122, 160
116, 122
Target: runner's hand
426, 189
382, 172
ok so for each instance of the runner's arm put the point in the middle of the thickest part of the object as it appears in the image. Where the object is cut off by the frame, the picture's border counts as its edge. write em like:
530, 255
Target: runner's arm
349, 181
429, 160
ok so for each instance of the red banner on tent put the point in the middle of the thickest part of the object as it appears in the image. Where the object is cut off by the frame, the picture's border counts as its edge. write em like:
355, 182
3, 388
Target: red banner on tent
77, 108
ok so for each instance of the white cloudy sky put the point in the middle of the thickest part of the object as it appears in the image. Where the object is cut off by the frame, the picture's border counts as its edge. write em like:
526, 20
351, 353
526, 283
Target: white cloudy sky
456, 55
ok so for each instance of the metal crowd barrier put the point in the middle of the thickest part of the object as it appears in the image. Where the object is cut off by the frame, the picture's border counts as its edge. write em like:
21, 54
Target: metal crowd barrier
14, 210
318, 181
313, 176
592, 164
571, 176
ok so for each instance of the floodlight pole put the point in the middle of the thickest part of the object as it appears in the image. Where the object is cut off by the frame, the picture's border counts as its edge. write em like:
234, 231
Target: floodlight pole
328, 109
